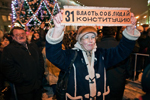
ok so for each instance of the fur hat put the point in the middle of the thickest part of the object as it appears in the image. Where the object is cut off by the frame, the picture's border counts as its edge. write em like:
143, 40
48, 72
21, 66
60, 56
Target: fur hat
84, 30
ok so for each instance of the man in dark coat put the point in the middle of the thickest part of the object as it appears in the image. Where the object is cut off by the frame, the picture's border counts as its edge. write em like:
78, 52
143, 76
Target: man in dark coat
144, 43
116, 75
23, 65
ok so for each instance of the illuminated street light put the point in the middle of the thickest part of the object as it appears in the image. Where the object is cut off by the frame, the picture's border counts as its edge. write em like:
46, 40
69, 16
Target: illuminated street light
137, 17
144, 16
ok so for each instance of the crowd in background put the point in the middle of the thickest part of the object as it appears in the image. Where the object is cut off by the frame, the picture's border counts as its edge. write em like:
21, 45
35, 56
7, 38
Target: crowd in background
107, 38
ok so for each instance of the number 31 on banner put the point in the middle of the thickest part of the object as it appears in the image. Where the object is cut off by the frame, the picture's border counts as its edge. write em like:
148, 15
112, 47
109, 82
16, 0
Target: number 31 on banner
68, 15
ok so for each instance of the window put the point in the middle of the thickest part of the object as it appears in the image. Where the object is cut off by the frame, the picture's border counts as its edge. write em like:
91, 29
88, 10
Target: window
4, 18
9, 19
5, 4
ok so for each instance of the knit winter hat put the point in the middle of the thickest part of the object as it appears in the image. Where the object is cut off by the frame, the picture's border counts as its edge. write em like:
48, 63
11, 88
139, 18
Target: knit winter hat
84, 30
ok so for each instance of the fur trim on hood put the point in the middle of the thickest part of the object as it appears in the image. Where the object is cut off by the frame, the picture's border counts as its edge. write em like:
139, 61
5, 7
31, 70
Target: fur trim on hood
90, 66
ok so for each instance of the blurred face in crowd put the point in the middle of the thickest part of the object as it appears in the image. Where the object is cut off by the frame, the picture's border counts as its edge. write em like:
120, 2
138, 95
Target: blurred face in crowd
88, 41
19, 36
5, 42
145, 28
43, 25
36, 36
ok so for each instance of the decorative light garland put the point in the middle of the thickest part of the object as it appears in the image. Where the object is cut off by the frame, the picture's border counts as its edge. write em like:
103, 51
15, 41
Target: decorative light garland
33, 15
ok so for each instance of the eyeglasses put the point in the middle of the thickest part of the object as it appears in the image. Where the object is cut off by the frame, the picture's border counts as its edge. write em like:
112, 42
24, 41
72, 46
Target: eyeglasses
17, 35
88, 37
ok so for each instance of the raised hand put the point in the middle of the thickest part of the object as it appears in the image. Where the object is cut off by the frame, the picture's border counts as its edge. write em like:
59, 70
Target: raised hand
58, 19
130, 29
58, 27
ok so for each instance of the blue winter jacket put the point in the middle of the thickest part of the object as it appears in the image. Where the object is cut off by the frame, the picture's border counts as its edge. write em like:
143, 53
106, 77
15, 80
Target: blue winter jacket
78, 85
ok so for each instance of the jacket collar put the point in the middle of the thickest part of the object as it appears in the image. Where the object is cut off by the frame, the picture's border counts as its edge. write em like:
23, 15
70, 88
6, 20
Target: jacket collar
18, 45
78, 47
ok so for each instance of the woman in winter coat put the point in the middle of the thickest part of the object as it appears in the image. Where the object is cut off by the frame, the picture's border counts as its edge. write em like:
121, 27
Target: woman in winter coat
87, 78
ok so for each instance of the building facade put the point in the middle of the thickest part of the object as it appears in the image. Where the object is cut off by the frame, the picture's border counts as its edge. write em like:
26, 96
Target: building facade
144, 18
5, 20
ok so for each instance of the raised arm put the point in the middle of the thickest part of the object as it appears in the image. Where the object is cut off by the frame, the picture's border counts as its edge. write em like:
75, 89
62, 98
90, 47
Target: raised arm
130, 32
58, 27
54, 37
125, 47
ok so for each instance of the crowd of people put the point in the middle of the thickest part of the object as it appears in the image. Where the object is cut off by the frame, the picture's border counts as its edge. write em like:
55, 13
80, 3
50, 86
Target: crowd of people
30, 61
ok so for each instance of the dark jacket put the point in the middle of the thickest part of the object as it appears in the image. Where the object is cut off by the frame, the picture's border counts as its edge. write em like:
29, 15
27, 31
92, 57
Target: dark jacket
144, 42
77, 78
116, 75
145, 83
1, 75
23, 67
107, 42
1, 81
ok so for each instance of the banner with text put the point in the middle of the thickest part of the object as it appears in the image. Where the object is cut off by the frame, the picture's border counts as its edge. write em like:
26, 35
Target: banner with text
96, 16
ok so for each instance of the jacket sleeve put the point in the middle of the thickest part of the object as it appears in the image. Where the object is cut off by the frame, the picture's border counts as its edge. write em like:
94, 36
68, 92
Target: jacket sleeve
41, 63
113, 56
55, 54
51, 40
8, 69
41, 60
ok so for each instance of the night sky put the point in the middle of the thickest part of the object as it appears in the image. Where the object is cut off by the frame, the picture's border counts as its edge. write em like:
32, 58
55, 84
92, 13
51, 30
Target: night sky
137, 6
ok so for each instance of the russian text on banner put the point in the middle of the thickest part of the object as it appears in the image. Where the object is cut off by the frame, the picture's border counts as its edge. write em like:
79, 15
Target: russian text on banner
99, 16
